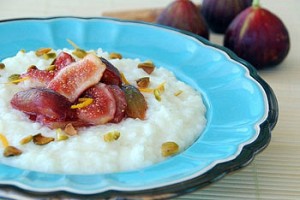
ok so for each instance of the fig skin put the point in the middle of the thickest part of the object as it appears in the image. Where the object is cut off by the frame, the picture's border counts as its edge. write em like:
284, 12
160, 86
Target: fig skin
259, 37
220, 13
184, 15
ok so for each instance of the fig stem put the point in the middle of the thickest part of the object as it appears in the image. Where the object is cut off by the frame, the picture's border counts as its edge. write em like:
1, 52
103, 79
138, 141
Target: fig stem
255, 3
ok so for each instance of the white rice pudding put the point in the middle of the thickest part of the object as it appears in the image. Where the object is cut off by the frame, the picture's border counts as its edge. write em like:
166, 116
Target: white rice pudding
179, 119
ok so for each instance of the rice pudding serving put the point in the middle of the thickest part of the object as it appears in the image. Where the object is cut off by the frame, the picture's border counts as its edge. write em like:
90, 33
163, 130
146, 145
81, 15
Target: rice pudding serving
85, 112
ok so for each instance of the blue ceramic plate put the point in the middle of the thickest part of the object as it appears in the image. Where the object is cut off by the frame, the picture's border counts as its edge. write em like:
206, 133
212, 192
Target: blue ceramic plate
241, 107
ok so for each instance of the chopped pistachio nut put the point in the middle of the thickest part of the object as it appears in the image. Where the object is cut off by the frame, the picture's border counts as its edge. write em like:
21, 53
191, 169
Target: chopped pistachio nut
11, 151
42, 51
23, 51
115, 55
39, 139
111, 136
14, 77
70, 129
169, 148
156, 93
60, 135
179, 92
51, 68
80, 53
26, 140
143, 82
49, 55
2, 66
148, 67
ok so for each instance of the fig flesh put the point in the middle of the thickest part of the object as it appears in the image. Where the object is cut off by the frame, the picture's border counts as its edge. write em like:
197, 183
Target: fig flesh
258, 36
218, 14
184, 15
102, 109
63, 59
75, 78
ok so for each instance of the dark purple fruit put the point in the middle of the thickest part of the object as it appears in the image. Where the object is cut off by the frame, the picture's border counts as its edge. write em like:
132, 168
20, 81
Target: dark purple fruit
219, 13
111, 75
184, 15
42, 101
248, 2
258, 36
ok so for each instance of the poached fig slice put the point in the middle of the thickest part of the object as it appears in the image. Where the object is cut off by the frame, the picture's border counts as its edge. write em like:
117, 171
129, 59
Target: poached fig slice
38, 78
42, 102
62, 60
41, 78
218, 14
54, 124
74, 79
136, 103
184, 15
121, 103
258, 36
103, 107
111, 75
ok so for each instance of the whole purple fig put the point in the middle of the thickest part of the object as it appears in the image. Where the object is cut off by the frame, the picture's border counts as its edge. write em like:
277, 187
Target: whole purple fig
258, 36
184, 15
219, 13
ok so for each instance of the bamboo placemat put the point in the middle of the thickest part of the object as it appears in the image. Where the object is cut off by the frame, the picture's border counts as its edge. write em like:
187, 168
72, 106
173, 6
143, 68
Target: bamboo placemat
275, 172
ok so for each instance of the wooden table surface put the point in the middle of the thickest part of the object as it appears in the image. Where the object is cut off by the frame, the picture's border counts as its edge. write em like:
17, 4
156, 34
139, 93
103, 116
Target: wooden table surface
275, 172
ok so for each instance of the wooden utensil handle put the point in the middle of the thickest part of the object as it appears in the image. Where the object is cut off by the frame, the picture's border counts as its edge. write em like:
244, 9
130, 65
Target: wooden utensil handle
147, 15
